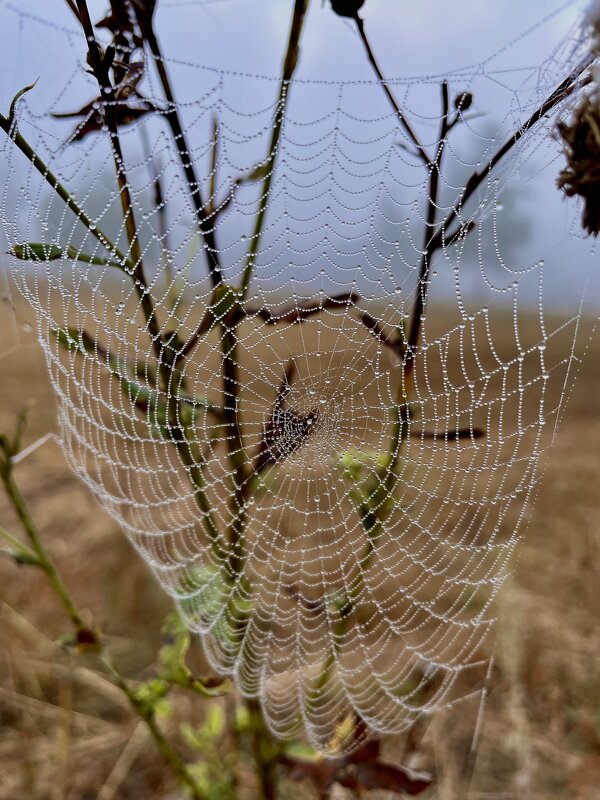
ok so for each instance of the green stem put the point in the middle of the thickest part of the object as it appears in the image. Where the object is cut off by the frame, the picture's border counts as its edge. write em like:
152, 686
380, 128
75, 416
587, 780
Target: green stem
31, 530
289, 67
231, 386
170, 756
24, 146
194, 467
235, 448
265, 753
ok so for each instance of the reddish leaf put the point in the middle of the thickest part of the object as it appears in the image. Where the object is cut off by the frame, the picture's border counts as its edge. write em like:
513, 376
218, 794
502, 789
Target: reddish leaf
93, 117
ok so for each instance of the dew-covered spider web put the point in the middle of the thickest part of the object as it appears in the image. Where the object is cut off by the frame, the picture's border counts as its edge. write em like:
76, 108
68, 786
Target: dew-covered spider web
333, 506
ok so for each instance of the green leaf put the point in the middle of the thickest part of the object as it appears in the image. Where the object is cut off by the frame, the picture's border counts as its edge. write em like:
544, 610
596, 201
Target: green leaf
40, 251
146, 399
37, 251
206, 600
296, 749
150, 697
25, 558
13, 106
172, 657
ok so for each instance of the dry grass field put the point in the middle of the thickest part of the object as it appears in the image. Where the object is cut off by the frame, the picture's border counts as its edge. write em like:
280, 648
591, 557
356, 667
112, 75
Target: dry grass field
67, 734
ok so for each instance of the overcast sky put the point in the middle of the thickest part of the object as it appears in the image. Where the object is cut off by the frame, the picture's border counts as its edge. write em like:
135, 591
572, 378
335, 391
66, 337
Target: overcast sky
506, 40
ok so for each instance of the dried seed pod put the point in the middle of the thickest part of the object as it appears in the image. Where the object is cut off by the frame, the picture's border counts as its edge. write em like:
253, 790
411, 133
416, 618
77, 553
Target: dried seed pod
346, 8
581, 176
463, 101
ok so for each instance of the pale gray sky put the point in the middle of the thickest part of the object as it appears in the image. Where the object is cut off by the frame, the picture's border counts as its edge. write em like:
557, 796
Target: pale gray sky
502, 43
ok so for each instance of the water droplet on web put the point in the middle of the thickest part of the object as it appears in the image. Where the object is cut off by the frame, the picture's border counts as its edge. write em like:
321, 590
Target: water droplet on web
120, 308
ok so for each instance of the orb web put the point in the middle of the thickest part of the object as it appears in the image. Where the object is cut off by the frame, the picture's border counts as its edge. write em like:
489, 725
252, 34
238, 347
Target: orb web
340, 557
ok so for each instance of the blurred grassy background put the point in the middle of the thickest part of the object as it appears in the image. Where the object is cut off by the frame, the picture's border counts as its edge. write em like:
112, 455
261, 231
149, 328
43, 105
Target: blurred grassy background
65, 732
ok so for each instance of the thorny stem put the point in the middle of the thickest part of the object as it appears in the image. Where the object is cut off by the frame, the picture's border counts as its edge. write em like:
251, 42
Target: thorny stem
91, 635
205, 225
100, 70
384, 85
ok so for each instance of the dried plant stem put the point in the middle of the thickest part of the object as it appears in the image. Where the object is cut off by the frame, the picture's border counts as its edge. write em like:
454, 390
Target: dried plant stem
384, 85
265, 752
231, 385
205, 224
100, 70
443, 237
147, 304
435, 171
565, 89
86, 634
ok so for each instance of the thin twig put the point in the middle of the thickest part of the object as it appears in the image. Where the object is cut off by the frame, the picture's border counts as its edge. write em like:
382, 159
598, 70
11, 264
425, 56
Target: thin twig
237, 459
399, 113
160, 206
432, 207
289, 66
205, 225
86, 634
100, 68
564, 90
44, 559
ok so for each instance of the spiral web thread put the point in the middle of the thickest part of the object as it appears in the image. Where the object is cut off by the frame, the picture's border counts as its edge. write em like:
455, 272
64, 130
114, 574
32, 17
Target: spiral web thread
376, 532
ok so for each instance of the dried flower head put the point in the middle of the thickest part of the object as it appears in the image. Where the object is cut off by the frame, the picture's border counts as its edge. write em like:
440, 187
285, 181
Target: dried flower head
592, 19
581, 139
